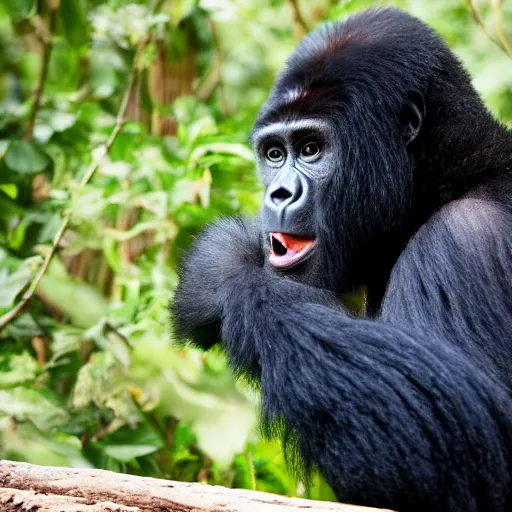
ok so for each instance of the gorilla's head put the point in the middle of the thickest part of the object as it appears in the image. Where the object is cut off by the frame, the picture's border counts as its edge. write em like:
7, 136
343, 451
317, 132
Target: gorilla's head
352, 146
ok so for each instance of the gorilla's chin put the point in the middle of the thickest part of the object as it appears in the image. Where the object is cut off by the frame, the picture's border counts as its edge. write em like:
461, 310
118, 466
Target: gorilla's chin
309, 268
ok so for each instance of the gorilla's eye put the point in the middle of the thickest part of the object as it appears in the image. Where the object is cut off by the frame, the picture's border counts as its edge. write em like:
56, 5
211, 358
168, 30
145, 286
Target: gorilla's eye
275, 155
309, 151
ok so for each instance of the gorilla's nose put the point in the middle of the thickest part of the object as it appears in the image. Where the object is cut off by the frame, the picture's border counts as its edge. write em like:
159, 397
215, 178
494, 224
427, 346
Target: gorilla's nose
280, 195
285, 206
285, 191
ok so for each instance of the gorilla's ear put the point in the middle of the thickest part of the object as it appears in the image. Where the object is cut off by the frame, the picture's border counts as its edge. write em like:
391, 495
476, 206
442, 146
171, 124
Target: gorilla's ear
412, 116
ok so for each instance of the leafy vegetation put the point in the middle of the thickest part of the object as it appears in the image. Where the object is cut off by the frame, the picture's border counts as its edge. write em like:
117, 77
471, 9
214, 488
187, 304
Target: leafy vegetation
123, 130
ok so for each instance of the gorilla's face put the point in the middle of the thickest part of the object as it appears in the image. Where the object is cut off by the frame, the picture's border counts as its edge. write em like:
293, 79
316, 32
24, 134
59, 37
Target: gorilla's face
338, 192
295, 161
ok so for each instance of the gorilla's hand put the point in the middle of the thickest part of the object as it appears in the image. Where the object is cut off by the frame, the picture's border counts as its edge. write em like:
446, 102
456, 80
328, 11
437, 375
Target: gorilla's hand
221, 253
225, 275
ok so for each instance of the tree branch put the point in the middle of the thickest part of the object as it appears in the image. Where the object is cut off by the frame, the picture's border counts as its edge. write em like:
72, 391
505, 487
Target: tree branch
46, 489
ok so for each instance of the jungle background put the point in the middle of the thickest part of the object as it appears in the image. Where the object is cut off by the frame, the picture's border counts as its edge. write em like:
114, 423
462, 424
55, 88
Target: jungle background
123, 130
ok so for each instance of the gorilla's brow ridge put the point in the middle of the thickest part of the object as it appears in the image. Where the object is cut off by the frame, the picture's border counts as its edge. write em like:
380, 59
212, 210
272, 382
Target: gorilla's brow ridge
280, 126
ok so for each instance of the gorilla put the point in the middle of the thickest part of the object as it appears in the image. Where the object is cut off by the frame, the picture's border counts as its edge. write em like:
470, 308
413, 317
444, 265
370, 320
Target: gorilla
384, 170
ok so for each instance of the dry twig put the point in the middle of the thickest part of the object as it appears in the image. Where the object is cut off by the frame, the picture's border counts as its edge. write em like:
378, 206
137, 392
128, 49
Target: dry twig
502, 42
299, 20
498, 25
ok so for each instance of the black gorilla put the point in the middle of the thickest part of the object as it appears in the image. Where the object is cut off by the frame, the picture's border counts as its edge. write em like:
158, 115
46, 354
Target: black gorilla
383, 169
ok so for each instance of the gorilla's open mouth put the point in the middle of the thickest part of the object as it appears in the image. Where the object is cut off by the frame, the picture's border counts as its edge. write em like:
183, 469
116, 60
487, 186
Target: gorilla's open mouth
288, 250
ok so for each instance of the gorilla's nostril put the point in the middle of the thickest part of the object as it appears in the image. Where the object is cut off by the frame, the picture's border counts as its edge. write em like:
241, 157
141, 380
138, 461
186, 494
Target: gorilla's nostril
280, 195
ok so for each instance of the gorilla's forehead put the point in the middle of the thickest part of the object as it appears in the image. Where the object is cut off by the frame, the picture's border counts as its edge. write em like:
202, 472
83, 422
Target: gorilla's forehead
298, 102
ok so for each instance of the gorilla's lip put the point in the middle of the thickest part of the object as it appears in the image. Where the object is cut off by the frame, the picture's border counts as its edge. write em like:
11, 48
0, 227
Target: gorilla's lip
287, 250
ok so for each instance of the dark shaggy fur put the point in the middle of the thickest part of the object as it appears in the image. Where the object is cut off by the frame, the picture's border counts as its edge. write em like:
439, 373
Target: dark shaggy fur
410, 410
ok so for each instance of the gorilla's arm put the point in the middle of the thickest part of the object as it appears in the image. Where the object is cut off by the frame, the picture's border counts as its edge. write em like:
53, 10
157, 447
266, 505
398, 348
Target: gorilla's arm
389, 418
454, 281
225, 254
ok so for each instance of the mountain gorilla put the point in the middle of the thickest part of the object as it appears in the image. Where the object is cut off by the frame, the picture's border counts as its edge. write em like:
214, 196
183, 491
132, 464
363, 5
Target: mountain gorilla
382, 169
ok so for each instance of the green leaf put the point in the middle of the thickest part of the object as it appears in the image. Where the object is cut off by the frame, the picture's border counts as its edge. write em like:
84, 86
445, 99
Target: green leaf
94, 380
26, 158
10, 190
83, 303
8, 207
126, 443
27, 443
43, 133
29, 404
23, 368
66, 340
103, 80
63, 69
127, 452
48, 122
4, 146
11, 284
180, 9
222, 147
220, 416
21, 9
73, 22
101, 382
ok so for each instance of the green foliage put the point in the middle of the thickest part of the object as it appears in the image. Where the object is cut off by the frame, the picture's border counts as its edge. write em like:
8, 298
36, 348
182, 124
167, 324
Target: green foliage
88, 373
25, 158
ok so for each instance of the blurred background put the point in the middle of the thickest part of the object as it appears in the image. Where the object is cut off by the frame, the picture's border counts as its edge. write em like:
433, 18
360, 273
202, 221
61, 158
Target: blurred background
123, 130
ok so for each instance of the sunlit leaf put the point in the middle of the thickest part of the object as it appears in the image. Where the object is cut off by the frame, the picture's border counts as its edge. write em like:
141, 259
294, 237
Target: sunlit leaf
30, 404
43, 133
27, 443
61, 121
81, 302
10, 190
221, 417
12, 284
66, 340
22, 368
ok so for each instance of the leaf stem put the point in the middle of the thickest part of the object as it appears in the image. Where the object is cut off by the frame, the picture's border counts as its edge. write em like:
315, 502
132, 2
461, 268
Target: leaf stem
45, 36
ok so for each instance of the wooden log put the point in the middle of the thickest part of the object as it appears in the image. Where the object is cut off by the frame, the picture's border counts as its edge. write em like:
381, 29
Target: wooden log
26, 487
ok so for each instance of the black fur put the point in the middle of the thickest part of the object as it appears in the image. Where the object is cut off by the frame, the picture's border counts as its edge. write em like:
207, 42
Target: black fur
410, 410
